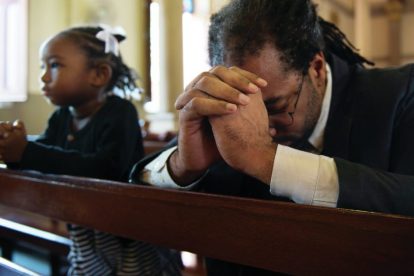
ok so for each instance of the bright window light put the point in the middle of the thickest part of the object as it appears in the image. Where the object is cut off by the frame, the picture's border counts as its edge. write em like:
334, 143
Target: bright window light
13, 50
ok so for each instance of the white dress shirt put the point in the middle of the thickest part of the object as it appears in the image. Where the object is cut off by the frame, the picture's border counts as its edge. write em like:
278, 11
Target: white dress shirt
305, 178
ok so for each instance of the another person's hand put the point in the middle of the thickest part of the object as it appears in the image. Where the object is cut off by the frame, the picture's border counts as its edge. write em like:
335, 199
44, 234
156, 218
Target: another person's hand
5, 129
221, 91
244, 141
13, 141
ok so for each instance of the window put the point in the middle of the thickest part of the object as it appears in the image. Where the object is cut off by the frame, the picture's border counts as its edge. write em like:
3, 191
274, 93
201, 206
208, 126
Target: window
195, 58
153, 106
13, 50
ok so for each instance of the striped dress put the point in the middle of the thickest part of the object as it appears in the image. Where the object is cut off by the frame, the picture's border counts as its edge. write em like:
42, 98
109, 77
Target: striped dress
97, 253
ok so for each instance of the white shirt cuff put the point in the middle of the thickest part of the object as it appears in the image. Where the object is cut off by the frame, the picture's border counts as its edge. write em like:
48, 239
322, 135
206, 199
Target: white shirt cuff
156, 173
304, 177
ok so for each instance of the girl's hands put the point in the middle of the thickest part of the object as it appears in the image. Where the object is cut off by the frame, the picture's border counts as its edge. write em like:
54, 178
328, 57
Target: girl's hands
13, 141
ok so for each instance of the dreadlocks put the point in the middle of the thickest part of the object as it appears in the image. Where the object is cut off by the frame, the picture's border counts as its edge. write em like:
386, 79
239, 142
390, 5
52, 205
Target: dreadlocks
336, 42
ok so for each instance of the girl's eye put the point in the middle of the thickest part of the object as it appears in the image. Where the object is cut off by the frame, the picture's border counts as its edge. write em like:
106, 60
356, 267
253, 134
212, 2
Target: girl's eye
54, 65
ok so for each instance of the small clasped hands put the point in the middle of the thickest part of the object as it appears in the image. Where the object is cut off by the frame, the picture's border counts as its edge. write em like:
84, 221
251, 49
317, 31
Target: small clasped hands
222, 116
13, 141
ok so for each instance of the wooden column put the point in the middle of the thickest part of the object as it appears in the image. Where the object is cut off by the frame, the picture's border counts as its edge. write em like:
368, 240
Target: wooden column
393, 9
171, 53
363, 27
170, 64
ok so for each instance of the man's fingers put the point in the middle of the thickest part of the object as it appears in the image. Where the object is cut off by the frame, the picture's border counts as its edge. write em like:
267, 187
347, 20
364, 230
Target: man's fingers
211, 87
250, 76
203, 107
224, 84
235, 79
221, 90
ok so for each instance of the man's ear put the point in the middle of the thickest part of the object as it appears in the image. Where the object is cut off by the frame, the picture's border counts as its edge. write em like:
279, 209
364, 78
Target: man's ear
317, 71
101, 75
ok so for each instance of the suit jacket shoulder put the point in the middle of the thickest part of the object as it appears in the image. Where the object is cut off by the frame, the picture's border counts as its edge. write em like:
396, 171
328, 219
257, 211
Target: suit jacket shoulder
376, 169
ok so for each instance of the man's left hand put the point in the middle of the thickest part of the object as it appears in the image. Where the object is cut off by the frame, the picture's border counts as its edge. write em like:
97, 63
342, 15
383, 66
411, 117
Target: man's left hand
244, 141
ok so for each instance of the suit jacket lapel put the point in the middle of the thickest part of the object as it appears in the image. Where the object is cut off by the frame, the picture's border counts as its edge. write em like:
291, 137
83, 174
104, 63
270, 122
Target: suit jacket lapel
339, 124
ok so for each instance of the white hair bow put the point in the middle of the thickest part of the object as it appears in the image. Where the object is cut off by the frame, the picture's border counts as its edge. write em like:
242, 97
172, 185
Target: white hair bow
107, 35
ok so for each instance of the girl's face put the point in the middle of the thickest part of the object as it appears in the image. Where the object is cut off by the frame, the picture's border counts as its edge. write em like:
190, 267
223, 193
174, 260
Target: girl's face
66, 77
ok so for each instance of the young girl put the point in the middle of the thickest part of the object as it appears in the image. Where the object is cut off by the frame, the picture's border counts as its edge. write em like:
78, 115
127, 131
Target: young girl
93, 133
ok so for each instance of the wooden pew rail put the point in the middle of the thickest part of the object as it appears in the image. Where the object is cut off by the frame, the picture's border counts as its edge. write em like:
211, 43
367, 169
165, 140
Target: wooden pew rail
279, 236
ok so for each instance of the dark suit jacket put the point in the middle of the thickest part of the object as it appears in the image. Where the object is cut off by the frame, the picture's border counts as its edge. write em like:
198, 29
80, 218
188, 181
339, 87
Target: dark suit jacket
370, 134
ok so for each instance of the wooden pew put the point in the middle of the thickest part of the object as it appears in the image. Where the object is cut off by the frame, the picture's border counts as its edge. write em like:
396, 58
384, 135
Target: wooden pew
279, 236
153, 146
24, 230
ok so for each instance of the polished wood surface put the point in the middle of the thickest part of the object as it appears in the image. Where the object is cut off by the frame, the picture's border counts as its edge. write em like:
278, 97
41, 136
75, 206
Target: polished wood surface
279, 236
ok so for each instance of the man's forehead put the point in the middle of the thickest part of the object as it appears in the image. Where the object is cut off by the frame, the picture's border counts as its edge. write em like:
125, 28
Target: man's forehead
267, 58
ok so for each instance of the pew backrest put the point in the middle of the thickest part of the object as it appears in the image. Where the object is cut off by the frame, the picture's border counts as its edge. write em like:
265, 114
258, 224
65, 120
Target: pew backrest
279, 236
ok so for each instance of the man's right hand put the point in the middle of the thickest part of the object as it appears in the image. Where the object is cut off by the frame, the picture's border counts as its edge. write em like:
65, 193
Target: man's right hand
213, 93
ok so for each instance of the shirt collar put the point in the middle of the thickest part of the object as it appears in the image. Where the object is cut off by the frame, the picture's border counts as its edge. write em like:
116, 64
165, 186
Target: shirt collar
316, 138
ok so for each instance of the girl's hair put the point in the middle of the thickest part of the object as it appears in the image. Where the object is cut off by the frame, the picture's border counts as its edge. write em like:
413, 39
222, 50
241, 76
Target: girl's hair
123, 78
293, 26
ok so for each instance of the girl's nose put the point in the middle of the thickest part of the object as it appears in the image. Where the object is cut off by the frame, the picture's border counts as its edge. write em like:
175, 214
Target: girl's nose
45, 77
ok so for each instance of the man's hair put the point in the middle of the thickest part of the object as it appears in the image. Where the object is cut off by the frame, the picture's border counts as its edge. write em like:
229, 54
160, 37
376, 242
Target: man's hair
123, 77
243, 27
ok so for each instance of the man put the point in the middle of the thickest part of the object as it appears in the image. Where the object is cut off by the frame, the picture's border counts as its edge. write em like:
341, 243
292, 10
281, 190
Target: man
288, 107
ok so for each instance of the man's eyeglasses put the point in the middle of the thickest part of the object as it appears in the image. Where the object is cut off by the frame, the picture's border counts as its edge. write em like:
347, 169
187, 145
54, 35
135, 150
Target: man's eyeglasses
285, 116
